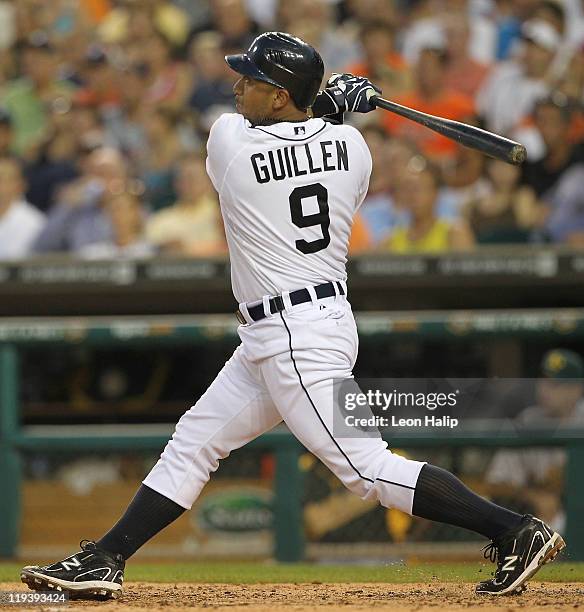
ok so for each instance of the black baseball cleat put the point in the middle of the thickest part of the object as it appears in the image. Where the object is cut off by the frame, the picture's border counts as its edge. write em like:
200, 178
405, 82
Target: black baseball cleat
519, 554
91, 573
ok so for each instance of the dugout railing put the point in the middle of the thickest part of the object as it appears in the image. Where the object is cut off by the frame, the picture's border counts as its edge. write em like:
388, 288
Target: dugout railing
17, 439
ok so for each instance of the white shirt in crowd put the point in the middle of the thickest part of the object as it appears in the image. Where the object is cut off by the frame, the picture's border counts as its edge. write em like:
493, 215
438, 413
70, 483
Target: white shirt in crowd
19, 227
508, 96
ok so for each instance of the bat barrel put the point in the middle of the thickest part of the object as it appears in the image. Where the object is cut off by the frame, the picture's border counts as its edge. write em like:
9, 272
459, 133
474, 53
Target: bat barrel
490, 144
518, 154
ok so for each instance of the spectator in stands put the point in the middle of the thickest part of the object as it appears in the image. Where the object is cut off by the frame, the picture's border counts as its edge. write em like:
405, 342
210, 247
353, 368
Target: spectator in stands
511, 90
574, 23
463, 73
482, 39
508, 15
55, 163
124, 124
79, 218
100, 86
135, 23
553, 13
234, 24
431, 96
72, 132
389, 158
464, 179
170, 80
399, 156
381, 63
6, 133
192, 226
572, 82
126, 217
553, 120
314, 21
163, 149
418, 191
29, 99
506, 213
20, 222
119, 65
368, 11
424, 26
565, 222
554, 183
8, 30
534, 478
262, 12
87, 122
71, 47
212, 93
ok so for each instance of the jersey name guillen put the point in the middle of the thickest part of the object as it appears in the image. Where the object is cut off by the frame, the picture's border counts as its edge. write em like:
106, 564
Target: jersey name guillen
289, 161
288, 194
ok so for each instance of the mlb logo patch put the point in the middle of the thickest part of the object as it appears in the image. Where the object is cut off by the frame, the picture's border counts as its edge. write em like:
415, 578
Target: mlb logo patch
299, 130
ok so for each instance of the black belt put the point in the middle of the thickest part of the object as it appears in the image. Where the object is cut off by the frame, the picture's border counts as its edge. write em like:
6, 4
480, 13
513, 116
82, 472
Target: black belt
300, 296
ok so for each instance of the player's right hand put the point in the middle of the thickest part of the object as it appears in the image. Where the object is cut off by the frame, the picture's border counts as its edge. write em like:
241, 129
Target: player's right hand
347, 92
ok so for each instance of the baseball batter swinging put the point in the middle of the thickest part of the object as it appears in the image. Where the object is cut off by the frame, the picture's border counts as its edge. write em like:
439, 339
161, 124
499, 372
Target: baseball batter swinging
289, 185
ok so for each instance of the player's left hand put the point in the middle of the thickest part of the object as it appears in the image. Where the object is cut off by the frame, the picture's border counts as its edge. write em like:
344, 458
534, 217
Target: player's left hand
350, 93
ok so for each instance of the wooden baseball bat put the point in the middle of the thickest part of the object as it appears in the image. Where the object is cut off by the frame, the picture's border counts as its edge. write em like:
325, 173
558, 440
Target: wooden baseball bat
470, 136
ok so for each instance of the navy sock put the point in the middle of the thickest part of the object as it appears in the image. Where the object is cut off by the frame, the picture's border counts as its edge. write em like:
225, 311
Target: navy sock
441, 496
148, 513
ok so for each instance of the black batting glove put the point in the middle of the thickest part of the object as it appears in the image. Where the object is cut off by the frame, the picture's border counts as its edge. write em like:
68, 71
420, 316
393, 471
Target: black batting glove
351, 92
345, 92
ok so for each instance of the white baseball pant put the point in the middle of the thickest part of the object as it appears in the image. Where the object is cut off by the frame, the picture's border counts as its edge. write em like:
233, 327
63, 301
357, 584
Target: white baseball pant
284, 371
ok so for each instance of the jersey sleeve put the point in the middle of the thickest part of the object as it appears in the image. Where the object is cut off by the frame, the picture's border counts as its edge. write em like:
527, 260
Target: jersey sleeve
222, 137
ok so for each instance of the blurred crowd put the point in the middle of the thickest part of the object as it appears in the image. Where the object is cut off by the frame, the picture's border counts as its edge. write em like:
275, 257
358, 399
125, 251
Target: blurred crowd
105, 106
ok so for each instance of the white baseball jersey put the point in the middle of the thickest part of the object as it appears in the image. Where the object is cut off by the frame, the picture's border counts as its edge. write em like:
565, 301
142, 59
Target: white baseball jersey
288, 194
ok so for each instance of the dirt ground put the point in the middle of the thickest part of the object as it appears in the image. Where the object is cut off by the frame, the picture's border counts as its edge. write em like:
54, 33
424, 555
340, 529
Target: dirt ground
318, 597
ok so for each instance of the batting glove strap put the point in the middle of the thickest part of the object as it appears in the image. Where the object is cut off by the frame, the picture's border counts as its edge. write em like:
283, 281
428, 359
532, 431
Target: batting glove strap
325, 105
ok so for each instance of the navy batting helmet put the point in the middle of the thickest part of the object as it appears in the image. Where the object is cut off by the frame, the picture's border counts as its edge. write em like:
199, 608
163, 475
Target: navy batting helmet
284, 61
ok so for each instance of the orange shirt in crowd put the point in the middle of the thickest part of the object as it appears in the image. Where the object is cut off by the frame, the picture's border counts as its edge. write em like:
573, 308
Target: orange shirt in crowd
450, 105
360, 239
465, 76
394, 61
96, 10
392, 74
90, 97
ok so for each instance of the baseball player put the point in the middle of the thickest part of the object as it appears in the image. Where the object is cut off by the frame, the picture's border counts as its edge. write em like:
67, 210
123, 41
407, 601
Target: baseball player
290, 177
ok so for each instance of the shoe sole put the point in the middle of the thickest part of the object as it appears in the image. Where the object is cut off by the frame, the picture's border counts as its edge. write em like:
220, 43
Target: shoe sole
91, 589
549, 551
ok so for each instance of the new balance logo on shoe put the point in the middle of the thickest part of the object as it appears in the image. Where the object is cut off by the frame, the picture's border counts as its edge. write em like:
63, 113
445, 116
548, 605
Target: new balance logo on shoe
510, 563
71, 563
